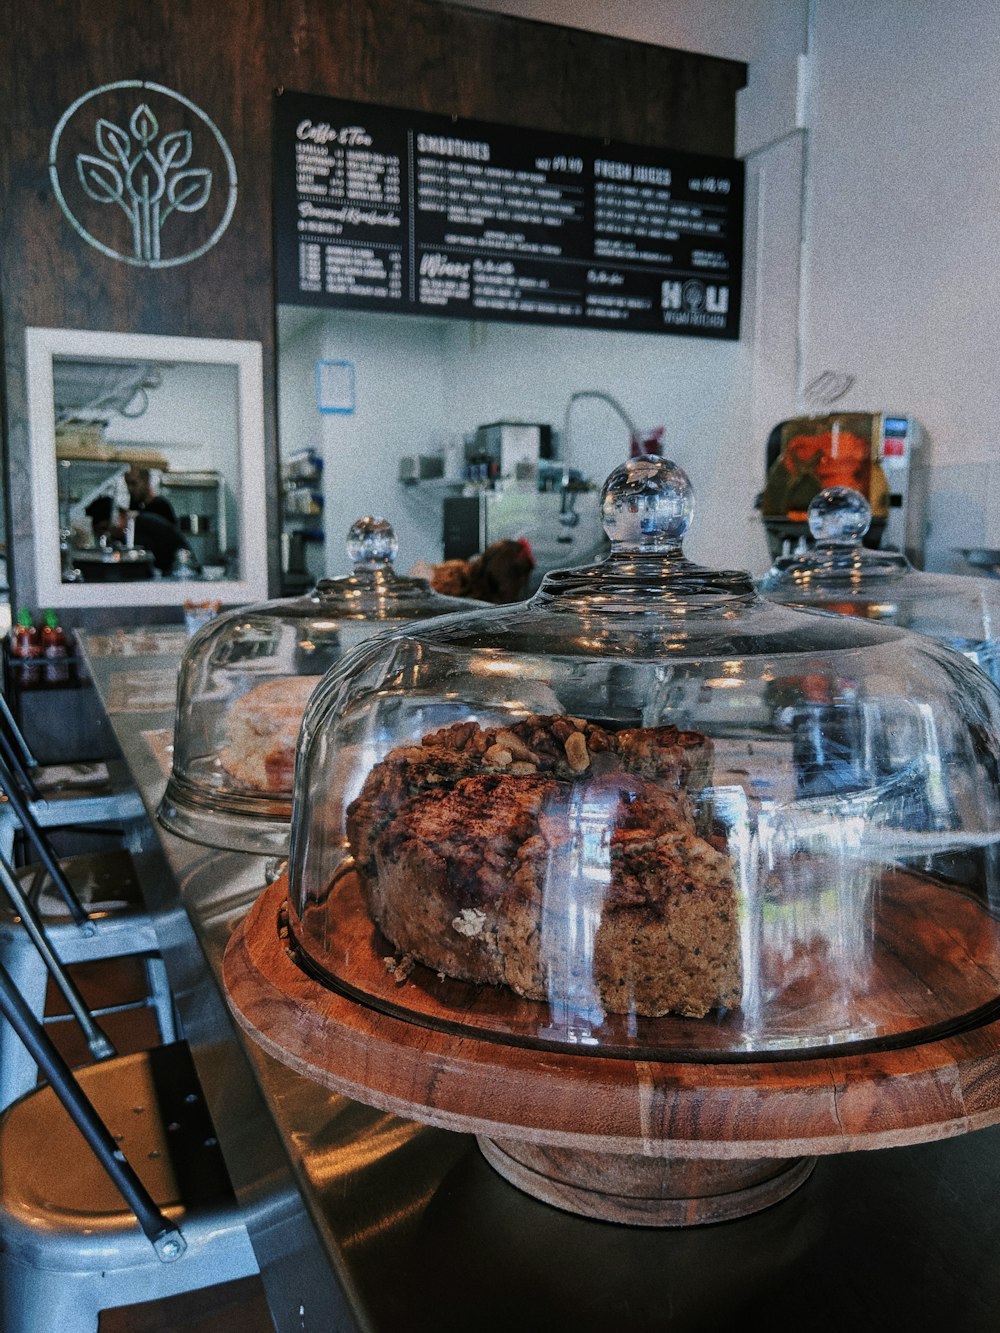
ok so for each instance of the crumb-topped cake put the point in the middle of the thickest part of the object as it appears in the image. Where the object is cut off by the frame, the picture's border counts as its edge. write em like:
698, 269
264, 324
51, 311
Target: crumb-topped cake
492, 853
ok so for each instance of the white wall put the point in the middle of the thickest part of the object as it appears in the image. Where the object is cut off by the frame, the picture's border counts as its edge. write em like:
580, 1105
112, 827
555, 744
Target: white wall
903, 235
399, 410
300, 345
193, 416
300, 340
694, 388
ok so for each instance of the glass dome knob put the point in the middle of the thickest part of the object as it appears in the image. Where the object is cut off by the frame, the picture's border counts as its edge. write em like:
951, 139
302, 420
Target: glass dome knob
839, 515
646, 505
371, 543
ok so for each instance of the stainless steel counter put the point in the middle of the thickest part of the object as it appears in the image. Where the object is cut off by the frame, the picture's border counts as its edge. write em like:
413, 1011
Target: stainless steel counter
362, 1221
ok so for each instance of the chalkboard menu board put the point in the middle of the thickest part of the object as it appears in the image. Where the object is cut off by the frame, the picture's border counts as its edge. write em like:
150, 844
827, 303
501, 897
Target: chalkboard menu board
398, 211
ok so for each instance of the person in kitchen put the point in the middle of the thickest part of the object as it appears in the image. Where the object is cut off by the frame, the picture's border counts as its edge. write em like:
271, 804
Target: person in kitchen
143, 497
152, 532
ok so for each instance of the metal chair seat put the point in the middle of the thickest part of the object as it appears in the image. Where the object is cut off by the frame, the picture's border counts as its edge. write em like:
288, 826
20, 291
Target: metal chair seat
119, 926
59, 795
106, 883
69, 1245
72, 780
100, 802
70, 809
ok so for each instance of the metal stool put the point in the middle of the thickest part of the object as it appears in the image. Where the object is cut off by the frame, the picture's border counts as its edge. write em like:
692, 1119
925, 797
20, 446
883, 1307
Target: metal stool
148, 1214
55, 803
89, 908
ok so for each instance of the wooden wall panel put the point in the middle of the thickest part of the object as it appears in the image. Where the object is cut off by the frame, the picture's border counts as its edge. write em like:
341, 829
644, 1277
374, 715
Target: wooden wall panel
228, 57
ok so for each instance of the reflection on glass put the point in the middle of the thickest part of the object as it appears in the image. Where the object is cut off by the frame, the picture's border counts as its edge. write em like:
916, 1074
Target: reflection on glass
839, 574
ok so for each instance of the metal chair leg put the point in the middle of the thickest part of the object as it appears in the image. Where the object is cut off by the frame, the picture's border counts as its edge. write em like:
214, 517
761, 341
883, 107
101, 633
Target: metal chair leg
36, 945
99, 1045
161, 997
15, 750
43, 848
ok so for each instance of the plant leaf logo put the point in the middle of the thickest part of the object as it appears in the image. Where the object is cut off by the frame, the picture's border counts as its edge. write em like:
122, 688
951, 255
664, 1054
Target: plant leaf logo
148, 173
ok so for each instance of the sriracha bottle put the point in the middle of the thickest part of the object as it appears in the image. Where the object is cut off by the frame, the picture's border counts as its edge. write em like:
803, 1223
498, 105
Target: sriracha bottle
25, 639
26, 647
55, 648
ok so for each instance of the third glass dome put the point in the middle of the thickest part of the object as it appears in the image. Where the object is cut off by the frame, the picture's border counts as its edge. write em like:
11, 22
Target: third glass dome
841, 575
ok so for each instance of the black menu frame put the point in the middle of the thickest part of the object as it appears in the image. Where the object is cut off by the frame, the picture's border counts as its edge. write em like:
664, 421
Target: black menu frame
407, 212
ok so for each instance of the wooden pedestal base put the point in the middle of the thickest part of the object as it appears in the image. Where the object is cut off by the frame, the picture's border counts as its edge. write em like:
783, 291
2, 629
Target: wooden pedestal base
645, 1191
644, 1142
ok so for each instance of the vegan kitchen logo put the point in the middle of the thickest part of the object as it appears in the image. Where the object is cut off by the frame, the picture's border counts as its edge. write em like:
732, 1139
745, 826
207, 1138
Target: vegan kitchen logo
142, 174
694, 304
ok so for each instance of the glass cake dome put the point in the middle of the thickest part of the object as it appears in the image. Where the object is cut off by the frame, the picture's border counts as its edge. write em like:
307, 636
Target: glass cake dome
650, 812
243, 686
841, 575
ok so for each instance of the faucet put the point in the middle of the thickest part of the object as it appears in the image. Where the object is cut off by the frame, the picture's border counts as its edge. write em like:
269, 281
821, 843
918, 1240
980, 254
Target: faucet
612, 403
567, 515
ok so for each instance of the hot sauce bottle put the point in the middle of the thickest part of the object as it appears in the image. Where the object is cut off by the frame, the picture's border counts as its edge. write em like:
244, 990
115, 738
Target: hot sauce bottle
26, 641
53, 637
26, 646
55, 648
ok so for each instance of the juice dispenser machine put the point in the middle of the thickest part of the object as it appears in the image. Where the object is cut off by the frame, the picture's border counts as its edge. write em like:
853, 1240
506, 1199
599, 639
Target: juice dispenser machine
877, 453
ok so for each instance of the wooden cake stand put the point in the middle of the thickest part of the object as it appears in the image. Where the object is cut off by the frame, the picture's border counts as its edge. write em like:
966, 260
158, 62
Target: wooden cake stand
634, 1141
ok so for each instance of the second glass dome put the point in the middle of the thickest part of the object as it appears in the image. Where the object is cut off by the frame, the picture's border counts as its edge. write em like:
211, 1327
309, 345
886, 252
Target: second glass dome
244, 683
650, 814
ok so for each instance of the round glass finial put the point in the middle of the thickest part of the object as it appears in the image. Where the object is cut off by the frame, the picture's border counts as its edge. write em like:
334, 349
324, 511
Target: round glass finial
371, 543
839, 516
646, 504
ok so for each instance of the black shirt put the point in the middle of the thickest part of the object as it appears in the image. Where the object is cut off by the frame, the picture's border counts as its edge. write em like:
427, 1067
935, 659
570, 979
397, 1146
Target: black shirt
161, 508
161, 538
